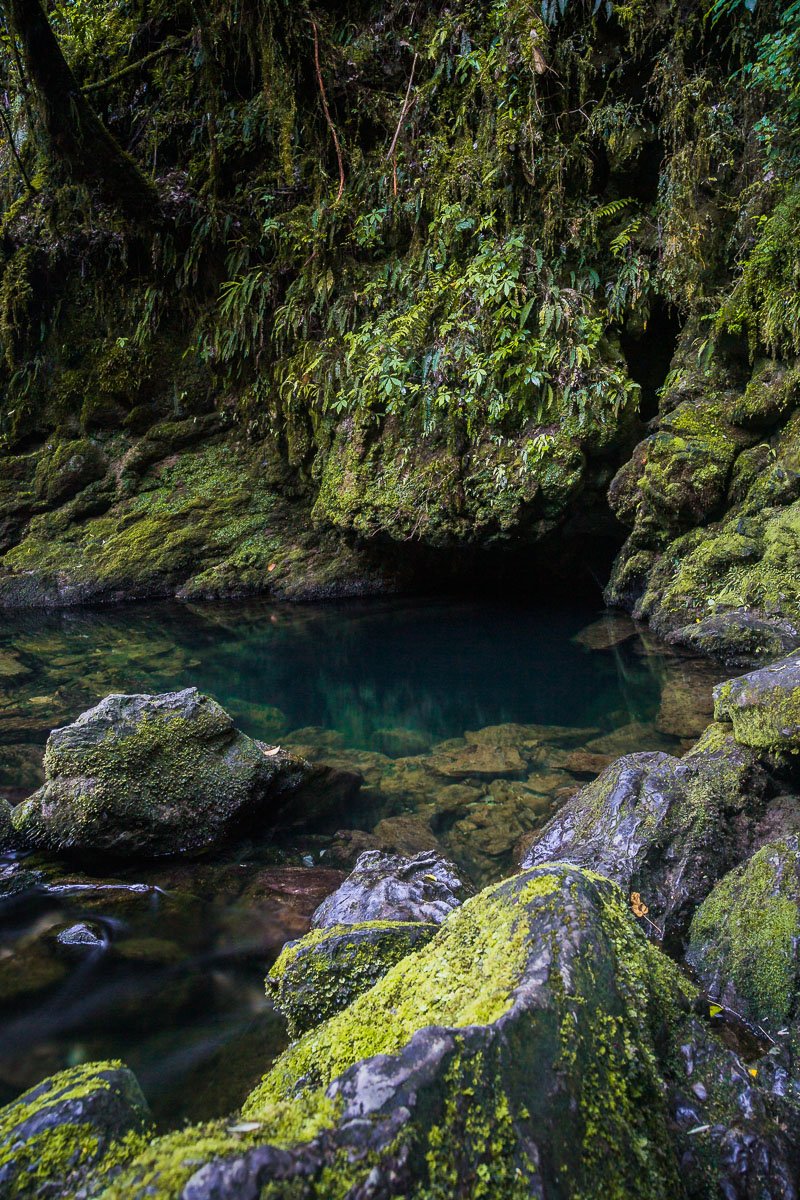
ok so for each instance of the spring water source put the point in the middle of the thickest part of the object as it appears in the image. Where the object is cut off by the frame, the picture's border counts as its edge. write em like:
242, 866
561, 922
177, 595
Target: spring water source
471, 722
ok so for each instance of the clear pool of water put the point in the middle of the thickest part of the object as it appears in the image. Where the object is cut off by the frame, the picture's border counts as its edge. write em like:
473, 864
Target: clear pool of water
469, 721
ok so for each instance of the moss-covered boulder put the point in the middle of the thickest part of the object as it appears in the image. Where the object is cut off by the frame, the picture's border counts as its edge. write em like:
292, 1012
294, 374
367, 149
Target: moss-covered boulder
712, 499
744, 941
764, 706
54, 1134
389, 887
66, 468
323, 972
155, 775
665, 827
539, 1045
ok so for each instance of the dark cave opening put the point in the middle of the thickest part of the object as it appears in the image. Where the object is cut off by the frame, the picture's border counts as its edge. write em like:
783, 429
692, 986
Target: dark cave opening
649, 352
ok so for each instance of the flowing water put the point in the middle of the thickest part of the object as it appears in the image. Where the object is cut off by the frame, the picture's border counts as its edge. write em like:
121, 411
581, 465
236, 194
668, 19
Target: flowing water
470, 723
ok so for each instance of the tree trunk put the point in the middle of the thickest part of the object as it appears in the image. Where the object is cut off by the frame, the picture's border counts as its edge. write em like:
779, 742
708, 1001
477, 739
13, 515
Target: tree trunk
76, 135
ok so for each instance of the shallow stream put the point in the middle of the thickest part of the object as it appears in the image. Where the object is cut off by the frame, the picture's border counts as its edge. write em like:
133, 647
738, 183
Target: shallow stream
470, 723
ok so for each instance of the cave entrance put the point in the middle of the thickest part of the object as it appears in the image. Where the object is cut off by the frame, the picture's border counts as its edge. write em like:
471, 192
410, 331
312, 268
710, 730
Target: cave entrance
648, 353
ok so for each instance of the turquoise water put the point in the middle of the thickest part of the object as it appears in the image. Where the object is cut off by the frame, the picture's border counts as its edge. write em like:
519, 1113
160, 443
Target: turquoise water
437, 667
399, 690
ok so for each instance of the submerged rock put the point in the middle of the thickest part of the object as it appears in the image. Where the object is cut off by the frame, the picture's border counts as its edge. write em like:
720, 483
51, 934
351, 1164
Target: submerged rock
156, 775
744, 940
54, 1134
537, 1046
322, 973
81, 938
386, 887
764, 706
665, 827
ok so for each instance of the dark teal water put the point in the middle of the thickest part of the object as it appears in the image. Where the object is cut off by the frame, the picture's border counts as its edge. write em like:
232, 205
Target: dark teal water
438, 667
175, 985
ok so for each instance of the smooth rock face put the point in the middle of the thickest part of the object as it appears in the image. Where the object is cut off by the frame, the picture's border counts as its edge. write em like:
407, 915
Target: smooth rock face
538, 1046
324, 972
386, 887
57, 1131
744, 940
155, 775
665, 827
763, 706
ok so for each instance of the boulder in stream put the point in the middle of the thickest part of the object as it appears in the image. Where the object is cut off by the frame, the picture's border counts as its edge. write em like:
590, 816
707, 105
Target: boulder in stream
55, 1133
664, 827
388, 887
764, 705
162, 775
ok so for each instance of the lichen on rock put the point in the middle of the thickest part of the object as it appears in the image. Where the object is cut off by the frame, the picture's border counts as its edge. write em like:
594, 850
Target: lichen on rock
57, 1132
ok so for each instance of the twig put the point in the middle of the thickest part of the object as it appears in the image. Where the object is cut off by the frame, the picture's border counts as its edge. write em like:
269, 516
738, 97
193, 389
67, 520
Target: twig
142, 62
404, 110
327, 112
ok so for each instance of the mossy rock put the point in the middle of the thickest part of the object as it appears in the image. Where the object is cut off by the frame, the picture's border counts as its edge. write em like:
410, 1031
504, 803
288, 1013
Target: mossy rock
201, 522
771, 394
68, 468
54, 1134
539, 1045
739, 637
7, 836
322, 973
664, 827
745, 937
764, 706
155, 776
711, 561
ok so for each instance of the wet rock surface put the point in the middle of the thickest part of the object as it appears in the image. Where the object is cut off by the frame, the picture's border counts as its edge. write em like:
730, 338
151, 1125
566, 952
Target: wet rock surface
764, 706
666, 828
481, 1081
386, 887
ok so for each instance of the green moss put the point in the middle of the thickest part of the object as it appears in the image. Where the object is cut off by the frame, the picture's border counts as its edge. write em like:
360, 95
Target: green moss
480, 950
763, 716
160, 782
745, 935
323, 972
60, 1154
582, 1058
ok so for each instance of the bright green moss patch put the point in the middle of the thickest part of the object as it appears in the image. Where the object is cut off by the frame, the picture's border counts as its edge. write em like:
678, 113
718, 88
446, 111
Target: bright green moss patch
60, 1129
465, 976
744, 938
